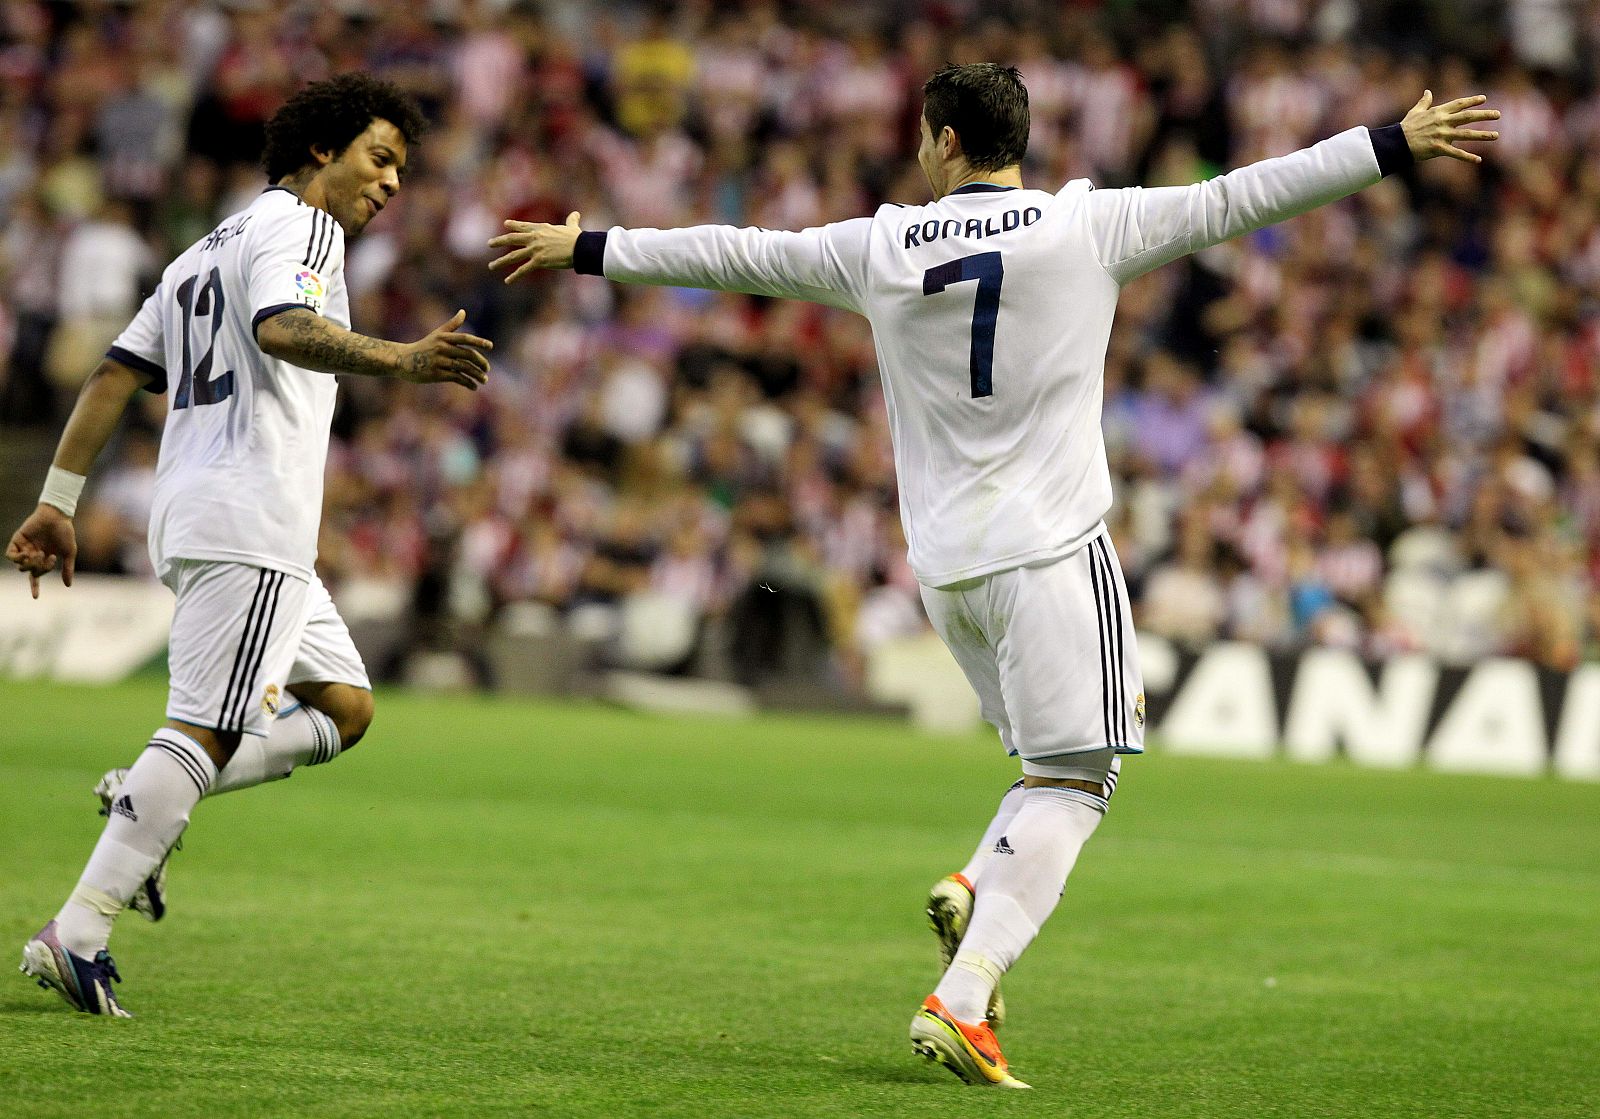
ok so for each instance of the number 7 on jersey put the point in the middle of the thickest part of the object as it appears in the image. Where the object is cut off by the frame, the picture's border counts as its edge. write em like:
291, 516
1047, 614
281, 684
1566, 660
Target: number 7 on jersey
989, 272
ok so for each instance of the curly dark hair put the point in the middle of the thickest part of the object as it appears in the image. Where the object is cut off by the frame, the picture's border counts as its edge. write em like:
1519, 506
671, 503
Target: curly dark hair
329, 114
987, 105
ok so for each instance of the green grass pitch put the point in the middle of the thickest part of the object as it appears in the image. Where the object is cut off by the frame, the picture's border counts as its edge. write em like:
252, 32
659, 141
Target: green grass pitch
499, 907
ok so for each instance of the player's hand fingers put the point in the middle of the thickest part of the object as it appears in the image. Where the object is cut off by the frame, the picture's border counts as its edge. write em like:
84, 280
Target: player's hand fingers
472, 364
573, 219
33, 584
522, 226
473, 359
1463, 103
1424, 101
1459, 134
459, 339
1456, 153
454, 321
67, 566
463, 353
531, 266
505, 239
514, 257
1472, 115
40, 565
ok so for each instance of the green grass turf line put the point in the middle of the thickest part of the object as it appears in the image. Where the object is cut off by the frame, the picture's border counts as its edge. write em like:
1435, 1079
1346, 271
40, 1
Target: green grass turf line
498, 907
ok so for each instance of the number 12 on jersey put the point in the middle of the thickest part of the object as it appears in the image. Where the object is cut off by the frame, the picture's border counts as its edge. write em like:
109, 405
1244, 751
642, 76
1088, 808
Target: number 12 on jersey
989, 272
195, 383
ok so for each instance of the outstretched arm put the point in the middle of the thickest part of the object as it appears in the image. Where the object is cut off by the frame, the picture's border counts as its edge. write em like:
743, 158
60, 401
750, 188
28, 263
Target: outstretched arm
825, 265
47, 537
1136, 229
302, 337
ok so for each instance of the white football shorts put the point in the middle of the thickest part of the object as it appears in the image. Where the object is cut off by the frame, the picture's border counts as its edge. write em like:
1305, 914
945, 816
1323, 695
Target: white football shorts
1050, 652
241, 635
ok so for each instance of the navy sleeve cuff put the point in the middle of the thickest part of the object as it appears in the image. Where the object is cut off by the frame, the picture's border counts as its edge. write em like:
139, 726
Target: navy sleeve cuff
157, 375
1389, 145
589, 254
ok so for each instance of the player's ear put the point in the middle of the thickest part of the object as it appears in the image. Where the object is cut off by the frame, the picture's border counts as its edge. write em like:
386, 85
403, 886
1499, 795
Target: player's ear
949, 142
321, 156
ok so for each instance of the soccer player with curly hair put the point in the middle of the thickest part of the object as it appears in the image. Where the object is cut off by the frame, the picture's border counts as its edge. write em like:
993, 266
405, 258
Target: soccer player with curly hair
241, 334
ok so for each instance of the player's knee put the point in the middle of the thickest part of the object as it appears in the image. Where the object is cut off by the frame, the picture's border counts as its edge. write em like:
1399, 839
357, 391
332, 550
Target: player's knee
354, 717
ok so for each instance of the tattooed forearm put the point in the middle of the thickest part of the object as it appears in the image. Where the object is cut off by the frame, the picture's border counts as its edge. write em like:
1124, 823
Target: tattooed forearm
306, 339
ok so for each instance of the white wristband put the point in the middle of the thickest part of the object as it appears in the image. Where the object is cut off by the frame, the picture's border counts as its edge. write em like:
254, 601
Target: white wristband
61, 489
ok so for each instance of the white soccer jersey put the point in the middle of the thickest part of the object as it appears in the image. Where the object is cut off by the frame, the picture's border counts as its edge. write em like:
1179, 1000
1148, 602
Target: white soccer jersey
246, 438
991, 310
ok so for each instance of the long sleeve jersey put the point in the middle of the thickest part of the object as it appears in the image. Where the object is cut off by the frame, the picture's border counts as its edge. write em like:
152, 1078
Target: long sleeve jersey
991, 310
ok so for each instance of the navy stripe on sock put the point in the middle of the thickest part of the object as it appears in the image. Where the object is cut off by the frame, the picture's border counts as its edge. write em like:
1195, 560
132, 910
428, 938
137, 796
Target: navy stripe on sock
321, 750
193, 754
185, 762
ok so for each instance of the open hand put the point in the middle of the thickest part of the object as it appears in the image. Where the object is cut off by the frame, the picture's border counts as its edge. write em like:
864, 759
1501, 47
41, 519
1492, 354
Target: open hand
536, 244
447, 356
46, 536
1436, 129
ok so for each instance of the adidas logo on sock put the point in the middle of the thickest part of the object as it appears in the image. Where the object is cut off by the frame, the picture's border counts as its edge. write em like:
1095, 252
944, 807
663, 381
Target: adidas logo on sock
124, 807
1004, 848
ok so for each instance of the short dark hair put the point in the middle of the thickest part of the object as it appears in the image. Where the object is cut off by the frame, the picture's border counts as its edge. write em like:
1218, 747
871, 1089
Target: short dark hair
986, 105
330, 114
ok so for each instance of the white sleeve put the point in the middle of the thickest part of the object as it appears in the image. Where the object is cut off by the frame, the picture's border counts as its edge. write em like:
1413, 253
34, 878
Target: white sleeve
290, 262
1137, 229
823, 265
142, 343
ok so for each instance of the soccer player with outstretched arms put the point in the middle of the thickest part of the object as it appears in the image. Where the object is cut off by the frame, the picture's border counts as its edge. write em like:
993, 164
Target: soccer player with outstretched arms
991, 309
241, 334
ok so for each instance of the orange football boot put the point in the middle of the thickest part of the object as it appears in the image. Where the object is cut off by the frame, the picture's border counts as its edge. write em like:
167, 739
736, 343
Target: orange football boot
970, 1050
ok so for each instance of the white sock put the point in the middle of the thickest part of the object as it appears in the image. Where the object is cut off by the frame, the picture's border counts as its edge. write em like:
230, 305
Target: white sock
146, 819
300, 736
1009, 805
1017, 893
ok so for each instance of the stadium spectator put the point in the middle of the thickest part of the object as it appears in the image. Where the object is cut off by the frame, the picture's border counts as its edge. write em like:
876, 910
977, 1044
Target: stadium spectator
1371, 360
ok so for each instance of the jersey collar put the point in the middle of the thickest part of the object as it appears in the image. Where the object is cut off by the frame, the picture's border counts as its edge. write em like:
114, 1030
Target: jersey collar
981, 188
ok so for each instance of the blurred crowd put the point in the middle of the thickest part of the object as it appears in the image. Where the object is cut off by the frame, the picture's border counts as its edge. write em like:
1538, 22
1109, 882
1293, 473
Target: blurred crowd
1375, 427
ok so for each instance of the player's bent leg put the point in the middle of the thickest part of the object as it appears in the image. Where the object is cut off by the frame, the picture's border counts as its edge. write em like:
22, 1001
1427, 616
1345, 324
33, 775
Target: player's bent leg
949, 911
1021, 886
350, 707
150, 899
145, 817
322, 721
949, 906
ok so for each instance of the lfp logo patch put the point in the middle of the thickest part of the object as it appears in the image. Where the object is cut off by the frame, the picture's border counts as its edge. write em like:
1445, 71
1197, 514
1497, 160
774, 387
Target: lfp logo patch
308, 285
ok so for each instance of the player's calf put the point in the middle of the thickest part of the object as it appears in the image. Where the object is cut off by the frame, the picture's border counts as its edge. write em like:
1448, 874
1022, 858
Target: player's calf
150, 899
